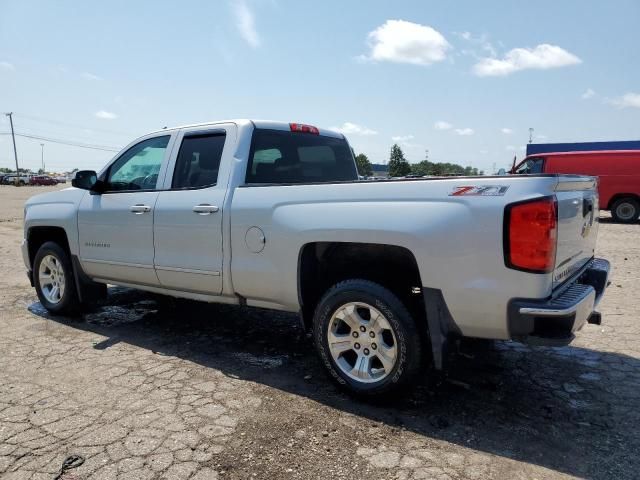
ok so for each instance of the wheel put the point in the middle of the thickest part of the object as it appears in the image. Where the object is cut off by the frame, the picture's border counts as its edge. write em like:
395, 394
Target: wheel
625, 210
53, 279
366, 338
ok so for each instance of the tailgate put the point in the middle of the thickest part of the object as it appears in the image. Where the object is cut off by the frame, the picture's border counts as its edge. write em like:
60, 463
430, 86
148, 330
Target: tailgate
577, 225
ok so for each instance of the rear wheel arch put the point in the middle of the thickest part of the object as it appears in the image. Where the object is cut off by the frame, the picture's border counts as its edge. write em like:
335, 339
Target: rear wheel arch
321, 265
619, 196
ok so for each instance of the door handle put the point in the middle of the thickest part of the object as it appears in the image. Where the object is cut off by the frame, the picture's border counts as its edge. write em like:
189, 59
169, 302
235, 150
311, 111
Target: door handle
139, 209
205, 209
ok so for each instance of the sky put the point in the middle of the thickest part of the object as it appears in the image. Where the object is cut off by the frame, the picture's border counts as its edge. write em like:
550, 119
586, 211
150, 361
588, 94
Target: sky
464, 80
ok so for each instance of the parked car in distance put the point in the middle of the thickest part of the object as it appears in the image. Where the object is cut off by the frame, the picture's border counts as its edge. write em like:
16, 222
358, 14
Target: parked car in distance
386, 275
618, 173
10, 179
42, 180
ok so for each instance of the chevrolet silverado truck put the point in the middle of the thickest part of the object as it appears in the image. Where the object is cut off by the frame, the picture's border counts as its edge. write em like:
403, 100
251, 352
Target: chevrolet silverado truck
386, 275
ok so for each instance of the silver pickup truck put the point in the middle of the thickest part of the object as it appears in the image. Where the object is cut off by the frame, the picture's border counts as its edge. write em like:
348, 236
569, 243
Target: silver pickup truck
270, 214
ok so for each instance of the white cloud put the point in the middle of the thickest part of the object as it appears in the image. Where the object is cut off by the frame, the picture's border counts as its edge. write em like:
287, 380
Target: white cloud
406, 42
90, 76
349, 128
628, 100
481, 41
245, 23
465, 131
7, 66
542, 57
506, 131
588, 93
104, 115
402, 138
442, 125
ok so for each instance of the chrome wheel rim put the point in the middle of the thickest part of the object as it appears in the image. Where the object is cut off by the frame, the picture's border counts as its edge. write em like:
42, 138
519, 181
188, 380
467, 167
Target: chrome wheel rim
362, 342
626, 211
51, 279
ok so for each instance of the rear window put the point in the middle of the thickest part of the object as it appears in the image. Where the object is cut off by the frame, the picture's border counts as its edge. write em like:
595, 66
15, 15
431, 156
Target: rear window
285, 157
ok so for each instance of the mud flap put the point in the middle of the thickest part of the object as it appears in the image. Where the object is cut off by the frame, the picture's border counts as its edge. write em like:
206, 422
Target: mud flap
442, 327
89, 292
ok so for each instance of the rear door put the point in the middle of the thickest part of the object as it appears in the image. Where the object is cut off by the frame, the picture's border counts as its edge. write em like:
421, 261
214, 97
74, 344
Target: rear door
189, 211
577, 225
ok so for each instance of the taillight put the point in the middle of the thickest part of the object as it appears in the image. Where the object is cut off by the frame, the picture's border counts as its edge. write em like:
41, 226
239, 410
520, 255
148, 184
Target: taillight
530, 235
302, 128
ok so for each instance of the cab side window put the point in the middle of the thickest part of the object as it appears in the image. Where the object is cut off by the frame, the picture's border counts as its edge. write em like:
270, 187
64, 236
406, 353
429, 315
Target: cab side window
198, 161
138, 167
532, 165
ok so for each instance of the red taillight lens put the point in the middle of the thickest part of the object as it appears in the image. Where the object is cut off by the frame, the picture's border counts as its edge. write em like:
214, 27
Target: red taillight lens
302, 128
531, 231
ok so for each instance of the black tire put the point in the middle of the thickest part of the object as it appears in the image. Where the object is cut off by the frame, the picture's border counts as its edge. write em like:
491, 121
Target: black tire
625, 210
68, 303
405, 330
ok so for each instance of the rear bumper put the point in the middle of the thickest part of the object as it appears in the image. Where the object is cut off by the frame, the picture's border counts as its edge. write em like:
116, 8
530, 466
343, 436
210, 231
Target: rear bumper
553, 322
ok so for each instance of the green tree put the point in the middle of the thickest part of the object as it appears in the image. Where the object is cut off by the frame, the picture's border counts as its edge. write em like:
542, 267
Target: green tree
364, 165
398, 165
422, 168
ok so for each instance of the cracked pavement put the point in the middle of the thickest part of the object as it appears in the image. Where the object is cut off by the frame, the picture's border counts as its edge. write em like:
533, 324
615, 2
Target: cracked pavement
152, 387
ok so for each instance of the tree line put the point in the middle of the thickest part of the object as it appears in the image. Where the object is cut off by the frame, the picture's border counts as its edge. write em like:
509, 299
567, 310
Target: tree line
400, 167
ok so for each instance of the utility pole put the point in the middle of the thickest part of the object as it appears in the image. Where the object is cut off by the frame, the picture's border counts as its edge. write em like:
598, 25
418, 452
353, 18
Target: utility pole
530, 135
42, 146
15, 152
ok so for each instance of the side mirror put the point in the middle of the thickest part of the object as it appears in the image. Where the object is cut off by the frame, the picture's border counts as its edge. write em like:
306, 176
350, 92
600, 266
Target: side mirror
85, 179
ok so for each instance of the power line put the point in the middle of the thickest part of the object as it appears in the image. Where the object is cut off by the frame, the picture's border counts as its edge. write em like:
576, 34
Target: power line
70, 125
71, 143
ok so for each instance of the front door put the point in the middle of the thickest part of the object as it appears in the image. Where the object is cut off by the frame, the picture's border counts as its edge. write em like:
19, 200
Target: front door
188, 215
116, 227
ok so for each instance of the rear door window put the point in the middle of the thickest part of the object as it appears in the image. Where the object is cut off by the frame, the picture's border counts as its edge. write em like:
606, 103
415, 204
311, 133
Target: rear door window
198, 161
279, 156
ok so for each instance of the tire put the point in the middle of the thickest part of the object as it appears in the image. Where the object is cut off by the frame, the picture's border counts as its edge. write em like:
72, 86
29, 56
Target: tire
625, 210
51, 268
371, 377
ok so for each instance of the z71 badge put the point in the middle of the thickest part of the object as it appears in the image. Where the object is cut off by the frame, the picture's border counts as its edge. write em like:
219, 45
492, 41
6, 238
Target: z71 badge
485, 190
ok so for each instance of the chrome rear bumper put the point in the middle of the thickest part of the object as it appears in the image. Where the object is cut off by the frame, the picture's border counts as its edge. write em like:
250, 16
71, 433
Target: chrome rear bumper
554, 321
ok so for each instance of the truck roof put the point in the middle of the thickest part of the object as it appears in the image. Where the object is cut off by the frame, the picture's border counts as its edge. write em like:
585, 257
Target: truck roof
586, 152
538, 148
267, 124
